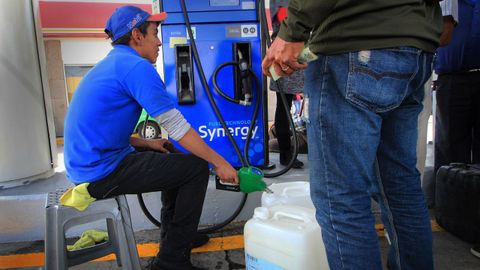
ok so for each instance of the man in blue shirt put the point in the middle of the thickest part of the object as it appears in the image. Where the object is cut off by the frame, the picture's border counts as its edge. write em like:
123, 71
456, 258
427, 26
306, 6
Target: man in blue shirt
457, 122
457, 125
100, 151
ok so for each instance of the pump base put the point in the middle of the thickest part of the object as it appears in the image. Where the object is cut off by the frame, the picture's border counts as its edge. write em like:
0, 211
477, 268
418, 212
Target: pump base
269, 166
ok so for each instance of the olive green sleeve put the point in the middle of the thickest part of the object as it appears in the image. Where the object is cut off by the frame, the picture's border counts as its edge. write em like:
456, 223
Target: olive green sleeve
303, 15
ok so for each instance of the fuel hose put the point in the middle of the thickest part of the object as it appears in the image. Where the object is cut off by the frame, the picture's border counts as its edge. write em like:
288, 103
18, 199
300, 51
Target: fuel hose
260, 95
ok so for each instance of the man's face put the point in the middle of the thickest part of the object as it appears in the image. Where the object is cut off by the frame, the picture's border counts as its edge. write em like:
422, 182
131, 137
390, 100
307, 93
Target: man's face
150, 43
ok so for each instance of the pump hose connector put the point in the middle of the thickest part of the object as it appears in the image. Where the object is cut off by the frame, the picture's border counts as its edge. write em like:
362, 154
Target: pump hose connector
245, 75
246, 83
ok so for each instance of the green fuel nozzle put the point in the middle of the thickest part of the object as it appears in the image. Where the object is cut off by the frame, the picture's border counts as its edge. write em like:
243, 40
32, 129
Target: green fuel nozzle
251, 180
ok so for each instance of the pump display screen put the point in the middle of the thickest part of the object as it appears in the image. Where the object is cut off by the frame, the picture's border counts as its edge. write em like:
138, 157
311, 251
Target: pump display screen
222, 3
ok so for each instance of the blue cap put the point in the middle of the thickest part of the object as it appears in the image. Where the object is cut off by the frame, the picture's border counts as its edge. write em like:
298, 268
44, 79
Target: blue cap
125, 18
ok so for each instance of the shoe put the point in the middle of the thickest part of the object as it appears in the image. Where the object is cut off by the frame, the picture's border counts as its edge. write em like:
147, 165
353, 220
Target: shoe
199, 240
475, 251
297, 164
161, 264
285, 159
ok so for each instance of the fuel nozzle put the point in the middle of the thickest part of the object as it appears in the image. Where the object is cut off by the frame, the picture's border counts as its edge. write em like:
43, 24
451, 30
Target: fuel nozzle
251, 180
245, 77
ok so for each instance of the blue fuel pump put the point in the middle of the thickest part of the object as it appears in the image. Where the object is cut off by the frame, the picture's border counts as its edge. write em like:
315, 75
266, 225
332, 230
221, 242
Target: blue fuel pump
228, 39
230, 35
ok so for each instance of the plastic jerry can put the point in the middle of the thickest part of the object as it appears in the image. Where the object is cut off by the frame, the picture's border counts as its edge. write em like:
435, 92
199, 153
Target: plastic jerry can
289, 193
284, 237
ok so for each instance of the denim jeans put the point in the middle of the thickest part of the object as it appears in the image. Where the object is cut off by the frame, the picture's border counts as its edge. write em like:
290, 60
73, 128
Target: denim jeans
362, 132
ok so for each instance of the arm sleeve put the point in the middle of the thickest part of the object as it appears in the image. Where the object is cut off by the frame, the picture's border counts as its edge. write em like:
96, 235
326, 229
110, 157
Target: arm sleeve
303, 16
450, 8
174, 123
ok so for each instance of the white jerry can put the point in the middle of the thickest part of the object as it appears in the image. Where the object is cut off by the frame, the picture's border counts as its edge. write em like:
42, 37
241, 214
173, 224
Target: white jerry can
289, 193
284, 237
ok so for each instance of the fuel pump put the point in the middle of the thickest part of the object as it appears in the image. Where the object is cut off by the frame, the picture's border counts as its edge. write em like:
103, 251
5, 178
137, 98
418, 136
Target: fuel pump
213, 28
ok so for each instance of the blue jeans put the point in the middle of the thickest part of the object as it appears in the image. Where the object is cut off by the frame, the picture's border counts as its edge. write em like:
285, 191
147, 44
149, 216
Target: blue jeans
362, 133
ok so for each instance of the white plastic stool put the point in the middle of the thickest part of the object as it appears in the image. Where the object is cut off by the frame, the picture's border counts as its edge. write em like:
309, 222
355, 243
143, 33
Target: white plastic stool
121, 239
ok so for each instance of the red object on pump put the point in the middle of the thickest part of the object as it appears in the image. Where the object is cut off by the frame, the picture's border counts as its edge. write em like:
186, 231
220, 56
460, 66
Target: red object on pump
281, 14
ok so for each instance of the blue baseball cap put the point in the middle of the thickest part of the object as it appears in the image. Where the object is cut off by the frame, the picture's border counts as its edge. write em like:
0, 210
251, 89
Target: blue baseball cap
125, 18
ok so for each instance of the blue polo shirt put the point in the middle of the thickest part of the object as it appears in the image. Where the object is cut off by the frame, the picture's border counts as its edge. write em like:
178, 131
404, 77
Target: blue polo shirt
104, 111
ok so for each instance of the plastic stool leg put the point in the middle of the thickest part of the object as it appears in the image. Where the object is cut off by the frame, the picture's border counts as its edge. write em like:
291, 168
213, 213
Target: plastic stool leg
113, 237
55, 252
126, 227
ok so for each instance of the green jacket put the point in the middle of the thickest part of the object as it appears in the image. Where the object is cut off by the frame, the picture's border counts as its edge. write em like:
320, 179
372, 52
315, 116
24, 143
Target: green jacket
340, 26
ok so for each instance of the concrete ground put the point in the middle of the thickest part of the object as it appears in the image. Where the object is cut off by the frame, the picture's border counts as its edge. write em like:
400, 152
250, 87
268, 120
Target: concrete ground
450, 253
225, 250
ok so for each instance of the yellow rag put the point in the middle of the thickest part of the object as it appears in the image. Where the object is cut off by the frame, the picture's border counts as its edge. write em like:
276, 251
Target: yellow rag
77, 197
89, 238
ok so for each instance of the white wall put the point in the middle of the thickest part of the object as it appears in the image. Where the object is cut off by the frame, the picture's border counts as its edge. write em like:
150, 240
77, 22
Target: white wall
79, 52
84, 52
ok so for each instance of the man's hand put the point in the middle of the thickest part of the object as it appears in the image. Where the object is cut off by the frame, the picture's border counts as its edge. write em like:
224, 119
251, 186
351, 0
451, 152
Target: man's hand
283, 55
192, 142
227, 173
448, 26
161, 145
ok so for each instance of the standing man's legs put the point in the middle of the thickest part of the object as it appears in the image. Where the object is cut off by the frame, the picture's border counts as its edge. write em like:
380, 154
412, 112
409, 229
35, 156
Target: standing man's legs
454, 120
457, 114
476, 118
282, 128
347, 95
404, 210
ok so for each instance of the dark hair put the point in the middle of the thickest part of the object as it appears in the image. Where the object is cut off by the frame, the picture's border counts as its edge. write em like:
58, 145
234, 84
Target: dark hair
125, 39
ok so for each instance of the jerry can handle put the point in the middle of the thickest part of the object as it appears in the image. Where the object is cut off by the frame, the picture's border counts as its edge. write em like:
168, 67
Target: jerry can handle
287, 189
303, 218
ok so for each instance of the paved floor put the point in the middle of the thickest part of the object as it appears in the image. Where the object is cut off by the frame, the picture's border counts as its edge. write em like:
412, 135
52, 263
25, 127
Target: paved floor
225, 250
450, 252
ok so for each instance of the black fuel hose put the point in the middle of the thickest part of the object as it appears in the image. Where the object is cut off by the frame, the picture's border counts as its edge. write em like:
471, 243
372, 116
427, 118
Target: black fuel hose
263, 22
220, 118
243, 159
218, 89
254, 117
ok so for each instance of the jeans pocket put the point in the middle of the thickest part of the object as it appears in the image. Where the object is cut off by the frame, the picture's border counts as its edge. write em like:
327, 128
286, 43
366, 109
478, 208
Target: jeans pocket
378, 80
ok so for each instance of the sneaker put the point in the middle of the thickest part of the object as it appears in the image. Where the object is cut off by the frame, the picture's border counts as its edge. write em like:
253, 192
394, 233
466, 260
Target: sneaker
475, 251
200, 240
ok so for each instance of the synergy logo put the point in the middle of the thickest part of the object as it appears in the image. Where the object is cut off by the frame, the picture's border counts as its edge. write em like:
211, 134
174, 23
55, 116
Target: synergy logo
237, 128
